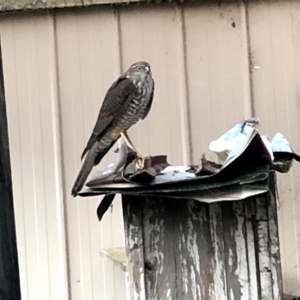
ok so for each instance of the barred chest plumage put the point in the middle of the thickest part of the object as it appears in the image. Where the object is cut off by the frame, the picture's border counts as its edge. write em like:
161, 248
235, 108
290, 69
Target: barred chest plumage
137, 107
141, 97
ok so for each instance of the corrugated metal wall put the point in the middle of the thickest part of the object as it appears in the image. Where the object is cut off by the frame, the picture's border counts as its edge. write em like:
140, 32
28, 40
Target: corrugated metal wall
214, 64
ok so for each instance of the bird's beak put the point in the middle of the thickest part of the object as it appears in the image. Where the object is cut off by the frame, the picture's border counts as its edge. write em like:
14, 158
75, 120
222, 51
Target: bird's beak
147, 70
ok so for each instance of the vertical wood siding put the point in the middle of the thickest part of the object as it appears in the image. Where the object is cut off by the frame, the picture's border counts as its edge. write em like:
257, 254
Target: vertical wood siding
214, 64
30, 82
275, 41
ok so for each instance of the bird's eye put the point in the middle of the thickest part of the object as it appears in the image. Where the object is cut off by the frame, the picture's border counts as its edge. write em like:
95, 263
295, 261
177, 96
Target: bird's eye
139, 68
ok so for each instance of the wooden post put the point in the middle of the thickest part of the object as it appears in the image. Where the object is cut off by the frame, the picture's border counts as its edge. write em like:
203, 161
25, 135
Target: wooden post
185, 249
9, 272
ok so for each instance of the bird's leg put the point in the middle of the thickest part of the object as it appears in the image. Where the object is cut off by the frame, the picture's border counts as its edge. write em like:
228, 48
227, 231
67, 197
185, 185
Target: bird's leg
127, 140
129, 143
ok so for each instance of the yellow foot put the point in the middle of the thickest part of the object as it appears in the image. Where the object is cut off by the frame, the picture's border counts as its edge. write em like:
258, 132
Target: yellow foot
140, 160
139, 157
127, 140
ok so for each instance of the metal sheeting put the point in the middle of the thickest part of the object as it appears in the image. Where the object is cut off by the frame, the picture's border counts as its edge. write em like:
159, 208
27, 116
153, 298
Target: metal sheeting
57, 69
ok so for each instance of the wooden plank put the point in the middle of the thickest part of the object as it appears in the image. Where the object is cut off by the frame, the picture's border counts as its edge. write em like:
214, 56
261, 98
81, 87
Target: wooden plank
250, 223
235, 250
262, 235
132, 212
194, 254
201, 228
217, 236
159, 245
277, 283
199, 240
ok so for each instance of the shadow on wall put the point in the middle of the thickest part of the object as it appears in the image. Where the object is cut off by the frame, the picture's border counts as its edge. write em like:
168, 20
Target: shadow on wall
9, 270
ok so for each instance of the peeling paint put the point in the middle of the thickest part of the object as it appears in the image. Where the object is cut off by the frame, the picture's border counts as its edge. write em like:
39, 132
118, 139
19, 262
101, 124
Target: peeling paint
216, 231
193, 250
242, 263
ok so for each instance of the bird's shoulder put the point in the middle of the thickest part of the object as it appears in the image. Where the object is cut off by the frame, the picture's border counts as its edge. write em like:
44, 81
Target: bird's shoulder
117, 95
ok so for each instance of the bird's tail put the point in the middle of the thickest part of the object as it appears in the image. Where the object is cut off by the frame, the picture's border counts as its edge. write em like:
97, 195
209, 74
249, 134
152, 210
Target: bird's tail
93, 157
84, 171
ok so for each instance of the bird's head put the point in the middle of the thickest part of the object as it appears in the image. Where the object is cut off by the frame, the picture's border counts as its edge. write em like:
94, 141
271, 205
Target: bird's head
139, 71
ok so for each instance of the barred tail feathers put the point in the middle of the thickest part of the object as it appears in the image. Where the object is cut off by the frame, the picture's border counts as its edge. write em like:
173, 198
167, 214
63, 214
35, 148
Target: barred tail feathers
84, 171
93, 157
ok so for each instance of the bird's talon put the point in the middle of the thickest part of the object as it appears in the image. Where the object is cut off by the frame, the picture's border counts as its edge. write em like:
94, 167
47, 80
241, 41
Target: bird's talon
140, 160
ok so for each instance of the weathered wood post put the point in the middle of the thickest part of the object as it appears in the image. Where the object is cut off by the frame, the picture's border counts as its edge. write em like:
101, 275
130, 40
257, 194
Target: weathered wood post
186, 250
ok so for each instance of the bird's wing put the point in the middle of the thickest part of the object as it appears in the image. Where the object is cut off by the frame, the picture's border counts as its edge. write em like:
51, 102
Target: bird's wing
115, 103
149, 104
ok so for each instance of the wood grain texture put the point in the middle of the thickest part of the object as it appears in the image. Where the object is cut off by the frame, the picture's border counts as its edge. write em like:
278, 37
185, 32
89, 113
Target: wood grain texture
185, 249
159, 249
217, 236
134, 247
235, 251
263, 249
251, 250
277, 282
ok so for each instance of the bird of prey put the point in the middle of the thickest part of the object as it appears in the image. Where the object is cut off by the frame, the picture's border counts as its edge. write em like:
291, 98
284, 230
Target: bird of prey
128, 100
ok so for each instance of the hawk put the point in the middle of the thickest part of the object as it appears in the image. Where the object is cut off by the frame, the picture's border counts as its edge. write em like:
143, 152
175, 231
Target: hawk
128, 100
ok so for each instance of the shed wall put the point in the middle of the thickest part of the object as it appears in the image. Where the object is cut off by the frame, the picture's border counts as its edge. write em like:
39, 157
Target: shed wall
214, 65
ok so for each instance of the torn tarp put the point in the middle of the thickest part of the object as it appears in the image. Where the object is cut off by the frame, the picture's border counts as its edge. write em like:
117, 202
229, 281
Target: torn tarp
244, 136
245, 159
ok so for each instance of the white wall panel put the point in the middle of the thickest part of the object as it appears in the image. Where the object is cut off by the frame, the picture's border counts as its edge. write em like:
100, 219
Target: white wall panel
154, 33
217, 70
30, 82
88, 63
275, 43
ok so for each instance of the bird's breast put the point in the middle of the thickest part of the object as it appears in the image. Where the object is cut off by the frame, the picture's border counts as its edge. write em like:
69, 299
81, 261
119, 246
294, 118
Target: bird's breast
135, 109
